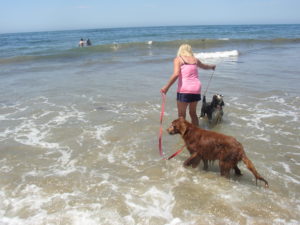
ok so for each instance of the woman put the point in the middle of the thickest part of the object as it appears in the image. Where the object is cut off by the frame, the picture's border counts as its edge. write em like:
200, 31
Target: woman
189, 86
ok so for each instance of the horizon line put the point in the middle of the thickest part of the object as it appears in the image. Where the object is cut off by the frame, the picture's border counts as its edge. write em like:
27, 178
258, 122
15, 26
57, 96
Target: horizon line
128, 27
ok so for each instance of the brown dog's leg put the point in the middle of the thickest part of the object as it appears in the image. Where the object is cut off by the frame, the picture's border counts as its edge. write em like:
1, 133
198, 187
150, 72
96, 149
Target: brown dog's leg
224, 168
188, 162
195, 162
205, 162
237, 171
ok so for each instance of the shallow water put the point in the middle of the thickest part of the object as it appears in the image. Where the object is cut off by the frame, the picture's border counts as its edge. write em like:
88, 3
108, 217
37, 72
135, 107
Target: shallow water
79, 140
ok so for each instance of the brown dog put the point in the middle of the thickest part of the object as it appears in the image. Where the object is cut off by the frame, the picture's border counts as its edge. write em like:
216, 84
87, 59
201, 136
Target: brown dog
209, 145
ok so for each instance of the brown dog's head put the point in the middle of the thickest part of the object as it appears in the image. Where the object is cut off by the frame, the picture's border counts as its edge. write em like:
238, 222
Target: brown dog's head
178, 126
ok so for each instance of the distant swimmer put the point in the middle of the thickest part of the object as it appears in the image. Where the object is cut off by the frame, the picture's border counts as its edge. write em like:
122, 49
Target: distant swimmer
88, 42
81, 43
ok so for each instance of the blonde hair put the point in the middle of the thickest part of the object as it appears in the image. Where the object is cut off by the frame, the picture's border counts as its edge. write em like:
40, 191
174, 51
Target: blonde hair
185, 50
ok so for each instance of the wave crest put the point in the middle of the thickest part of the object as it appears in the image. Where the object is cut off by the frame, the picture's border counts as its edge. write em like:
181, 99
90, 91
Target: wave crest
212, 55
61, 54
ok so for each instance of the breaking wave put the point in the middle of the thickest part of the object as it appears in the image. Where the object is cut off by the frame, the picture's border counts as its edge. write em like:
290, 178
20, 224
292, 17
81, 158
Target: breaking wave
76, 52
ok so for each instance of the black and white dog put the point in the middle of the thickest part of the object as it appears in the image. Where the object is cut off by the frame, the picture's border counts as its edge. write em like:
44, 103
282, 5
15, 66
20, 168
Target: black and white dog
213, 109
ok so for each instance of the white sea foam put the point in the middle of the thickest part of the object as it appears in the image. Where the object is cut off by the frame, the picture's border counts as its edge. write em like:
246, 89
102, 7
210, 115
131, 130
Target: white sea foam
144, 178
100, 132
65, 164
286, 167
30, 130
15, 109
37, 130
284, 177
262, 118
4, 135
213, 55
29, 133
153, 203
111, 158
280, 221
32, 200
116, 108
5, 168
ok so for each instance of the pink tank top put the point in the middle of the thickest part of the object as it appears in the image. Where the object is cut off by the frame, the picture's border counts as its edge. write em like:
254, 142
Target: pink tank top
188, 80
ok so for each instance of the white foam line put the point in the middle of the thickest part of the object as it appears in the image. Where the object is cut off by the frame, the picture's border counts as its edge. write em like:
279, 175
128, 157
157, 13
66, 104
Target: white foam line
255, 119
5, 134
8, 116
100, 132
285, 222
286, 167
116, 108
153, 203
5, 168
285, 177
29, 134
32, 199
210, 55
293, 153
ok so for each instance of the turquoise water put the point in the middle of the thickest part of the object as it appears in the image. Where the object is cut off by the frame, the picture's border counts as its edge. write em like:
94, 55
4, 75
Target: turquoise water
79, 126
61, 42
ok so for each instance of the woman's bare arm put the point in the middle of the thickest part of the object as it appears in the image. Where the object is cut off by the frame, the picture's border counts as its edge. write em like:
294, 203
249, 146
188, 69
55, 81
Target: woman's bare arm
205, 66
174, 76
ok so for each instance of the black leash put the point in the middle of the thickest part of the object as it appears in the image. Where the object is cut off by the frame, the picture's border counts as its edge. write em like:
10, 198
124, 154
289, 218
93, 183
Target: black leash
209, 82
204, 96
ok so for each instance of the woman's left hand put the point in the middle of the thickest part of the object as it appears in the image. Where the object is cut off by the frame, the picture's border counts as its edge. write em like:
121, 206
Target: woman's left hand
164, 90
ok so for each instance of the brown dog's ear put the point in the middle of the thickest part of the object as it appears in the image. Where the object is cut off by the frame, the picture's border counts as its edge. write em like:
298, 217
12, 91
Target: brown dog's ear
182, 125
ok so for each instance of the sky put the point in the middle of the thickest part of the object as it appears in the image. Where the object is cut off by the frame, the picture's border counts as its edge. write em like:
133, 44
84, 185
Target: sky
50, 15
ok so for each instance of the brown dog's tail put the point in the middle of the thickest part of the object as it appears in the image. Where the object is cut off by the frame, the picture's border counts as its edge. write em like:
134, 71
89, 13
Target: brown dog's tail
251, 167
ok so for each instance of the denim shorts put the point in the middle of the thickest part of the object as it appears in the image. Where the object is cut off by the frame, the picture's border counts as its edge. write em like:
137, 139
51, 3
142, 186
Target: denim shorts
183, 97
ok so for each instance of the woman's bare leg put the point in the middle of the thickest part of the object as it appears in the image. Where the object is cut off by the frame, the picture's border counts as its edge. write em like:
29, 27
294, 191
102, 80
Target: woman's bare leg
181, 107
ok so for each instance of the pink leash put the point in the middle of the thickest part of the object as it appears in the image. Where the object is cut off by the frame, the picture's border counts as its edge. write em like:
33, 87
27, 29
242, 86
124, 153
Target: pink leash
163, 95
176, 153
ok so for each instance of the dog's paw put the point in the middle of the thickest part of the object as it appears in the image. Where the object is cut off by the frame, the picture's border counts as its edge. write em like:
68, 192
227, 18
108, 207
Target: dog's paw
186, 164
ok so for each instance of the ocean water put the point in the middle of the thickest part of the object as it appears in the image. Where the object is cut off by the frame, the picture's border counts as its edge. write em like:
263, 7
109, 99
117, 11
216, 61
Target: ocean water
79, 127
